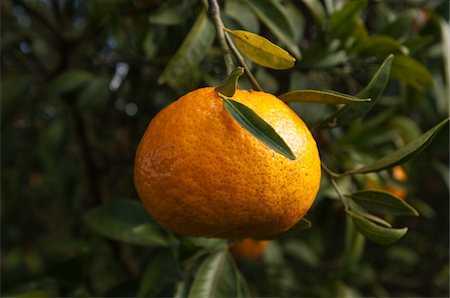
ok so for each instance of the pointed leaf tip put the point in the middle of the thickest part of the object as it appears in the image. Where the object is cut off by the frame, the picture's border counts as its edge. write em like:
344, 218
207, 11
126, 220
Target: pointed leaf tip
257, 126
228, 86
376, 233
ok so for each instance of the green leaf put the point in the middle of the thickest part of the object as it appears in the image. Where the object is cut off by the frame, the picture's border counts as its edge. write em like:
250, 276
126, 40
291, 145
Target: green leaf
152, 282
126, 221
376, 233
342, 21
381, 46
256, 126
404, 66
316, 96
208, 275
373, 90
179, 69
383, 202
240, 12
228, 86
271, 13
261, 51
403, 154
95, 94
169, 13
67, 81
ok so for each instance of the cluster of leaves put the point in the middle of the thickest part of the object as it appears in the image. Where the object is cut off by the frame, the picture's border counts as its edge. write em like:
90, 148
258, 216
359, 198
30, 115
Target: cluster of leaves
80, 80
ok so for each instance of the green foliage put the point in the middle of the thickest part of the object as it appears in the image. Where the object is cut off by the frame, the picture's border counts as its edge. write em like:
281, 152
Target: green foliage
80, 80
259, 128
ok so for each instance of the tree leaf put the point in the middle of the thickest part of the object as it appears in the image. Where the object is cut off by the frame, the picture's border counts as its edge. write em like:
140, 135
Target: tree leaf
376, 233
208, 275
168, 13
373, 90
381, 46
152, 282
261, 51
383, 202
404, 66
256, 126
272, 15
342, 21
126, 221
317, 96
403, 154
191, 52
228, 86
242, 13
67, 81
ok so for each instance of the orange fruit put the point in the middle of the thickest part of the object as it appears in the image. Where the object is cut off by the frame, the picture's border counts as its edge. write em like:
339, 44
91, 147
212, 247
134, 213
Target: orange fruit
399, 174
397, 191
199, 173
249, 248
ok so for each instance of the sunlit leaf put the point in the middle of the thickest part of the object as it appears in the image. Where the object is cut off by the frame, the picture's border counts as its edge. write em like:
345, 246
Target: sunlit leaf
127, 221
271, 13
208, 275
256, 126
383, 202
403, 154
191, 52
261, 51
317, 96
373, 90
376, 233
228, 86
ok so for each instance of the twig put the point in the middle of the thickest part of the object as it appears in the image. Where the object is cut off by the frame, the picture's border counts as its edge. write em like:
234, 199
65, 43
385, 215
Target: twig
214, 12
341, 196
241, 60
330, 172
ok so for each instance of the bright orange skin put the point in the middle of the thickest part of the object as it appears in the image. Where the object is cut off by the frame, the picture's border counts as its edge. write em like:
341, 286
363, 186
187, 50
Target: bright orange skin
199, 173
249, 248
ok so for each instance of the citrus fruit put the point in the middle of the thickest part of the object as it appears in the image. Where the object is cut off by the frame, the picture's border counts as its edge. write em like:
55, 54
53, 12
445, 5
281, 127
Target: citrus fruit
249, 248
199, 173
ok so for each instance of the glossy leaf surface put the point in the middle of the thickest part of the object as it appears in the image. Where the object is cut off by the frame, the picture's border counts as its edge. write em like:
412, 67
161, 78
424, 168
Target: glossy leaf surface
383, 202
256, 126
376, 233
317, 96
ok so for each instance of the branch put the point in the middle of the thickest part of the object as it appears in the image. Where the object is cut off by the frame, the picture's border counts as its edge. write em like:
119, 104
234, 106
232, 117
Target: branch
214, 13
241, 60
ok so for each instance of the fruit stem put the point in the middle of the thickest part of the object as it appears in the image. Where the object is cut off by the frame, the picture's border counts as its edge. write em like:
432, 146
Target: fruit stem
214, 13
